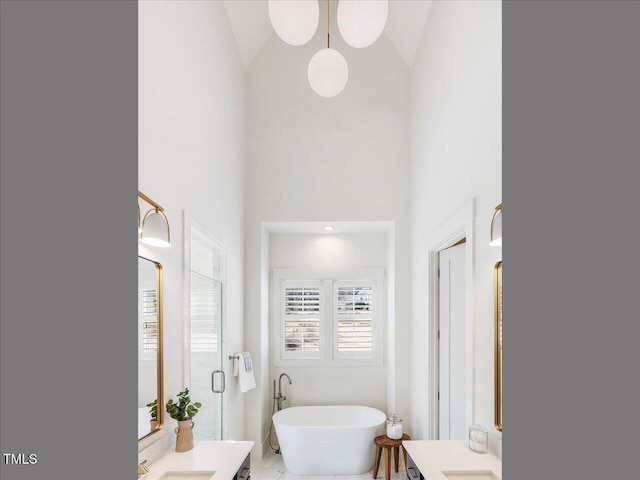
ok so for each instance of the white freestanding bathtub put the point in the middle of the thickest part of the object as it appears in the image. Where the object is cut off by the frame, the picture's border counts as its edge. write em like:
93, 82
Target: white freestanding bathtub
331, 440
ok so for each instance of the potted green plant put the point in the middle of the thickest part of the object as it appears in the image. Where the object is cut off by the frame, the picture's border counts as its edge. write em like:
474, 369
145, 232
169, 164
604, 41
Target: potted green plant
153, 411
183, 411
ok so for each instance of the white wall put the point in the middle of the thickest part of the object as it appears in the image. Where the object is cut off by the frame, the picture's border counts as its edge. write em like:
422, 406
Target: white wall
316, 159
191, 158
365, 385
456, 156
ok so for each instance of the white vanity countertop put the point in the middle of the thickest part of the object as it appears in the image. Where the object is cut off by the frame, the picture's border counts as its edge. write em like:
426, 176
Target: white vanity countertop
433, 457
224, 458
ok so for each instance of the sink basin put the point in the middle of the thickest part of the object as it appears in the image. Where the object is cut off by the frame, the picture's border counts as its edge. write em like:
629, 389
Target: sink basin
189, 475
470, 475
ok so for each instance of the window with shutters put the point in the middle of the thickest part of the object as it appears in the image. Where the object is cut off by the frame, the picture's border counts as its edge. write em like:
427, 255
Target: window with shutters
328, 317
205, 311
353, 319
301, 319
149, 320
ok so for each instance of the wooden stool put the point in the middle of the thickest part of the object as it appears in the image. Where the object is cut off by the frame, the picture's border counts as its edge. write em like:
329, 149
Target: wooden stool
386, 443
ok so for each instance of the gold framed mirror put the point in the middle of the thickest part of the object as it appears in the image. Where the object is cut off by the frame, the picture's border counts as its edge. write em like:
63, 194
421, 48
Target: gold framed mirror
150, 355
497, 344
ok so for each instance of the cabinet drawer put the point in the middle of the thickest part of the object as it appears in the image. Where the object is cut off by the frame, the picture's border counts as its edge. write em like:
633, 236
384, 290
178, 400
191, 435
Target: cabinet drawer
244, 472
412, 470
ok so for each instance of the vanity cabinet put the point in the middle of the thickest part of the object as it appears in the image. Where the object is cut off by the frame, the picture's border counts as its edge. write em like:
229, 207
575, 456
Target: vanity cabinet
413, 472
449, 459
244, 472
223, 460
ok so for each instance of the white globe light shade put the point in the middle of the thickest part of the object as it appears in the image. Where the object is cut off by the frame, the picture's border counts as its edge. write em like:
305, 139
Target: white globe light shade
361, 22
328, 72
295, 21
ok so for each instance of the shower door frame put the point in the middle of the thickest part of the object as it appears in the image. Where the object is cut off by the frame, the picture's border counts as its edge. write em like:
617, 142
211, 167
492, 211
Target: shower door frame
188, 223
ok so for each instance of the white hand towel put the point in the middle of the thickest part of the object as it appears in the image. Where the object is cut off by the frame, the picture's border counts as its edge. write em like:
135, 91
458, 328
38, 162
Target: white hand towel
248, 364
245, 372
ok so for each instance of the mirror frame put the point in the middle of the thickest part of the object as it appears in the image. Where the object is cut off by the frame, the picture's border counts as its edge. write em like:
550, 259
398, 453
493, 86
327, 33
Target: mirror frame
497, 344
160, 374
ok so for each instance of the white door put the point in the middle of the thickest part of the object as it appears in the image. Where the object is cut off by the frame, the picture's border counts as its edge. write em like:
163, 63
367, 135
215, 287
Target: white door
452, 344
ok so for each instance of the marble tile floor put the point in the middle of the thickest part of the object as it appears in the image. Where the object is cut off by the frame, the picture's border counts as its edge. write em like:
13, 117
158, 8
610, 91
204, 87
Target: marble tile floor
272, 467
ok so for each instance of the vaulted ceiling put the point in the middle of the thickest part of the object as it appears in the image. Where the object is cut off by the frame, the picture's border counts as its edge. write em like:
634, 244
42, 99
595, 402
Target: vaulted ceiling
251, 26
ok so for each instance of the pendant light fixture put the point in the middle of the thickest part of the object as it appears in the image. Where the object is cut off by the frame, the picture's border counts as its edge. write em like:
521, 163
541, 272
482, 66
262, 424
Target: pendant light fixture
295, 21
154, 229
328, 71
496, 227
361, 22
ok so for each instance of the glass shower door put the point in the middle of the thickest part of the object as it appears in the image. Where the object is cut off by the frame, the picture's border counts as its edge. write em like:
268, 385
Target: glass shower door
204, 339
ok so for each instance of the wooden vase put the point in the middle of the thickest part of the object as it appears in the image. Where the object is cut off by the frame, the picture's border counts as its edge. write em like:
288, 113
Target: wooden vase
184, 432
154, 424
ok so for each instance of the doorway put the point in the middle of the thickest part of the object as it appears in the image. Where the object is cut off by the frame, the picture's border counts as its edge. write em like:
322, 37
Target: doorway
450, 381
452, 342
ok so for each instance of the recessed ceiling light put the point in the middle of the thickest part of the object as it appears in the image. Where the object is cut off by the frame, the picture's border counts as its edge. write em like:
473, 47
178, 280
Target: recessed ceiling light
328, 228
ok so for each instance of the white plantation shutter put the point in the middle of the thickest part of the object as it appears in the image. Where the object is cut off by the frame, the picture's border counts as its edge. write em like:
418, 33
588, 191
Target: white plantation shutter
204, 307
328, 317
301, 319
205, 293
354, 319
149, 320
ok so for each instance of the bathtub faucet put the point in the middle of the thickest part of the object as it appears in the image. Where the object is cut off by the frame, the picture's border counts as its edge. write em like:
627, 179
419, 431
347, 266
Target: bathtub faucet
279, 398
